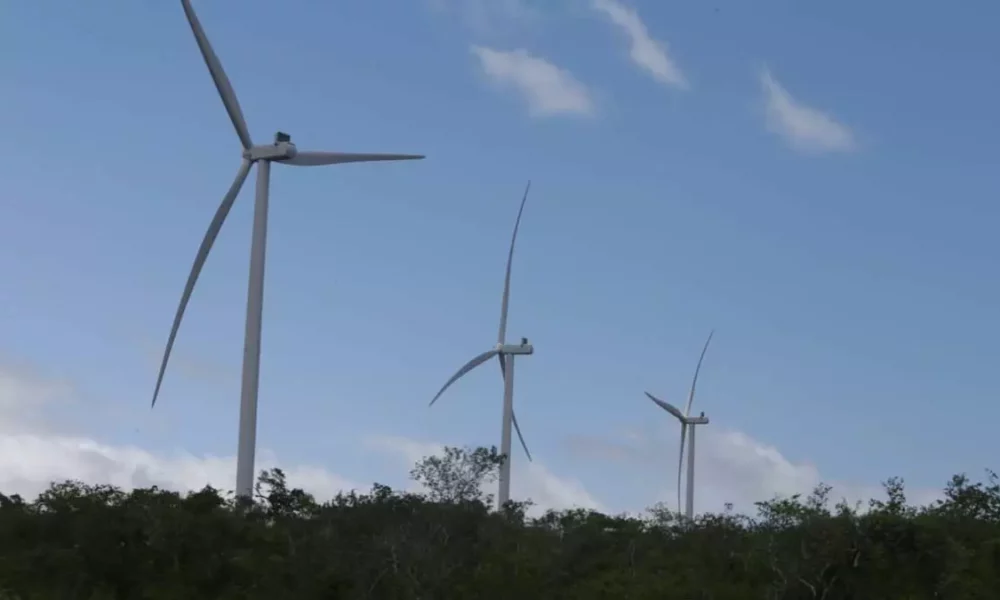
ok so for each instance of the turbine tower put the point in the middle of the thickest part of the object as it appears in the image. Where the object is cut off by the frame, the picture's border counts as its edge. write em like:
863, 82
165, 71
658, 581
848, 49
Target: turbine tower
505, 353
687, 421
282, 151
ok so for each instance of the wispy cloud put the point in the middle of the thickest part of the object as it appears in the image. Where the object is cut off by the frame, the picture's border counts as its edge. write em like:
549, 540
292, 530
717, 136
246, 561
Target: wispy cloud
487, 16
645, 51
529, 481
34, 453
733, 467
200, 369
547, 89
805, 128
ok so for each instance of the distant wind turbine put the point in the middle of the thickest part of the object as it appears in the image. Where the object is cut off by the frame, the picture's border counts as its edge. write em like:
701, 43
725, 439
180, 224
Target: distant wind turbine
687, 421
282, 151
505, 353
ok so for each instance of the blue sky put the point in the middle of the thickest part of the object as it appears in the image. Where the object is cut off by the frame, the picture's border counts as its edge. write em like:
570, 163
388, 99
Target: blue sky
816, 182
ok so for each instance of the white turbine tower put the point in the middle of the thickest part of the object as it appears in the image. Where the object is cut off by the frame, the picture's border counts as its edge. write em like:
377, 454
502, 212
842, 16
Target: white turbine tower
282, 151
505, 353
687, 421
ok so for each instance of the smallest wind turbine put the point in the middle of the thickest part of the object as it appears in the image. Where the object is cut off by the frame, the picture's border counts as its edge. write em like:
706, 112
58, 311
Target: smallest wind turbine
687, 421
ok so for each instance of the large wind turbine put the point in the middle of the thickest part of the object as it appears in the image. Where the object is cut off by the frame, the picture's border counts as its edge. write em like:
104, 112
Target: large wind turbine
505, 353
687, 421
282, 151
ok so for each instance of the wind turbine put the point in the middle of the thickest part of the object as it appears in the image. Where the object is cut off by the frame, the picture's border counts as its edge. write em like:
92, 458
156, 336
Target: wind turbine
282, 151
505, 353
687, 421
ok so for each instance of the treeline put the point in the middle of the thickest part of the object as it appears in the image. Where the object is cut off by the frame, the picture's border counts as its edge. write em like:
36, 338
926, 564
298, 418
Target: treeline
97, 542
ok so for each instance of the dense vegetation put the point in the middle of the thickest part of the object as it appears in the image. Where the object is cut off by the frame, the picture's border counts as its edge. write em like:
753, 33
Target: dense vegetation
97, 542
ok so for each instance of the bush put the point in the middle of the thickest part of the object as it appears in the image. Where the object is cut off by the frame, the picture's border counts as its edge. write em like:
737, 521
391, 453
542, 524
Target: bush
97, 542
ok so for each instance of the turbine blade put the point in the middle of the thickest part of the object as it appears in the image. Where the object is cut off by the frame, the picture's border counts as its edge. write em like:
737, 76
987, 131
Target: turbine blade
680, 466
199, 262
510, 259
517, 428
319, 159
670, 408
218, 76
503, 366
472, 364
694, 381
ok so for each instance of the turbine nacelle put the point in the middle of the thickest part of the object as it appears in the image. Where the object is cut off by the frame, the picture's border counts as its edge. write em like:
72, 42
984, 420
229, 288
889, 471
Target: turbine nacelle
524, 348
281, 149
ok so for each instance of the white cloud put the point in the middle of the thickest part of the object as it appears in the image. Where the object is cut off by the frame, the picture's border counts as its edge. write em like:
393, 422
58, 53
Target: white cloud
732, 467
529, 480
33, 454
645, 51
29, 462
806, 129
547, 89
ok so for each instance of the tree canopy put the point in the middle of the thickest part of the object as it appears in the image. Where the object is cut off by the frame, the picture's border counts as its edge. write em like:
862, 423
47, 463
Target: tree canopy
78, 541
